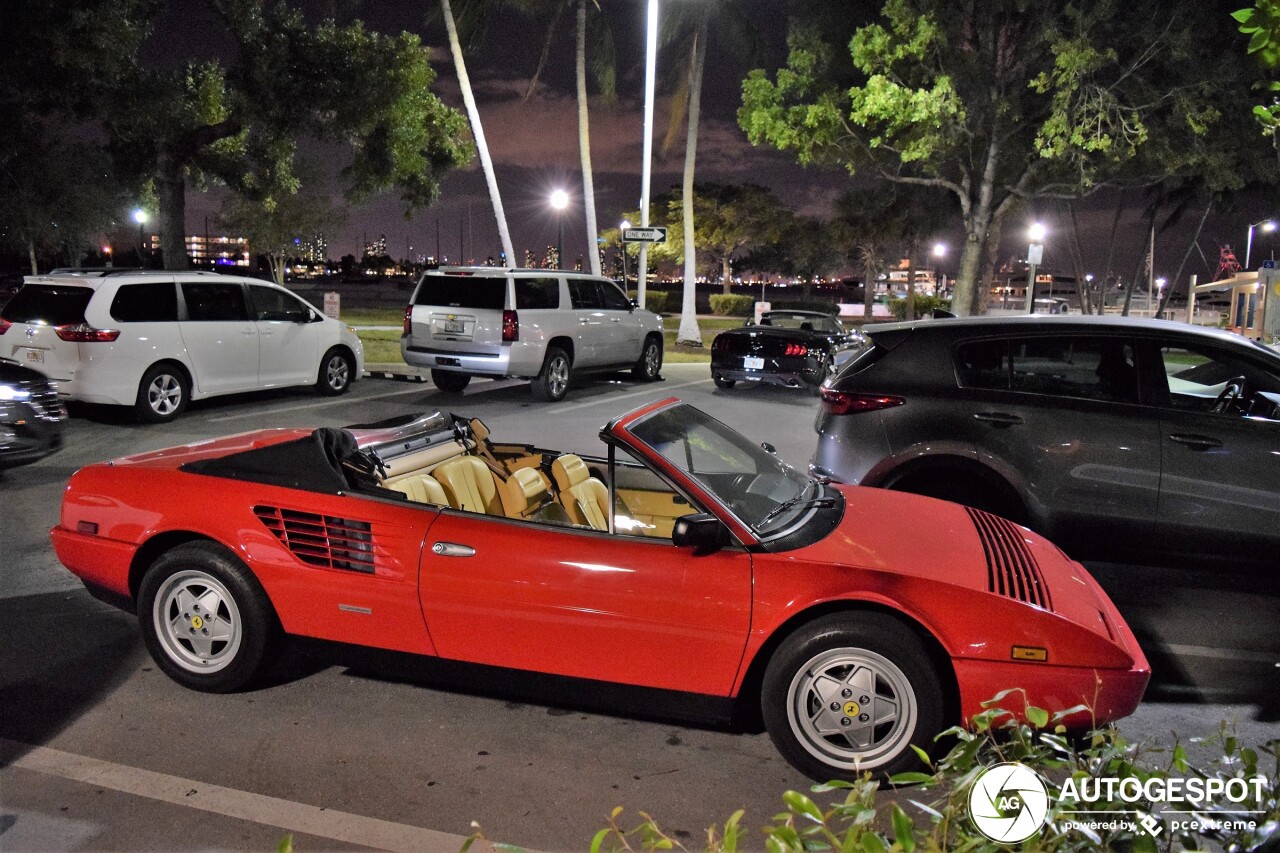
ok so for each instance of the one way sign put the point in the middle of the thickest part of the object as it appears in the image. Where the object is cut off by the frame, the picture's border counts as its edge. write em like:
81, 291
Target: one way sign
644, 235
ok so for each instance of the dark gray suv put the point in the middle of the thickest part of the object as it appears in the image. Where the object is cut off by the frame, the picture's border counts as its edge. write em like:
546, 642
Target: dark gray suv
1122, 440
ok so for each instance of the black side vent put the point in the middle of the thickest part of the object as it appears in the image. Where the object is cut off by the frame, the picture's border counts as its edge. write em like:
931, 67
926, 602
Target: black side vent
321, 540
1012, 571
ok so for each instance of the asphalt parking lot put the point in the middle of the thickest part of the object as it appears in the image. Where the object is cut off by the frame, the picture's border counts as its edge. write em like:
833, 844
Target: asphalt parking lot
100, 751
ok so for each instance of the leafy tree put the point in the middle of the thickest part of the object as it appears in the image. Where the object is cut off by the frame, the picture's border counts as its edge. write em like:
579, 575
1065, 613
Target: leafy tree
1002, 102
240, 124
273, 228
1261, 23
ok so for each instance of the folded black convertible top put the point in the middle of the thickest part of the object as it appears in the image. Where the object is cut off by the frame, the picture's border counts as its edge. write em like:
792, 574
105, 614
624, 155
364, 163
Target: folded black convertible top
312, 463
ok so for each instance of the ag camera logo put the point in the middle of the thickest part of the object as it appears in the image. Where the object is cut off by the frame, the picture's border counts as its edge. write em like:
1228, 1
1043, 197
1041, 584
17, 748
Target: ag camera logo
1009, 802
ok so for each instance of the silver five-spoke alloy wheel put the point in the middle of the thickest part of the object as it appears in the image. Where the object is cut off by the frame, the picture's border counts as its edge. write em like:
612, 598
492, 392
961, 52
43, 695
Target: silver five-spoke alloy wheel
164, 395
197, 622
337, 372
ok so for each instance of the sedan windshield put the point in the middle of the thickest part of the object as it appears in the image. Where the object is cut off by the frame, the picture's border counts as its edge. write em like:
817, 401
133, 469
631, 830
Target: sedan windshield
767, 494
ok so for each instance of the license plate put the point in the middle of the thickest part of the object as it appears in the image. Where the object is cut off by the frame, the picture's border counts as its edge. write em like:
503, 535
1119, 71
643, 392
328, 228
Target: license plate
752, 363
454, 327
35, 355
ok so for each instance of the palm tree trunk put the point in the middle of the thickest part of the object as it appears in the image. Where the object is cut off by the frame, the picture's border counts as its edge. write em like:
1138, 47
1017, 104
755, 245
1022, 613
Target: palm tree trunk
584, 144
477, 131
31, 255
689, 333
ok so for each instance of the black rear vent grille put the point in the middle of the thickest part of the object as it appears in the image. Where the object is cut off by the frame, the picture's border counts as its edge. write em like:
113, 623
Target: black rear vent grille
321, 540
1012, 571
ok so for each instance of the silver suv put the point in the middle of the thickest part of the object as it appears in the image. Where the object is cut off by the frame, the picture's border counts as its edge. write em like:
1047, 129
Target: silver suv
541, 325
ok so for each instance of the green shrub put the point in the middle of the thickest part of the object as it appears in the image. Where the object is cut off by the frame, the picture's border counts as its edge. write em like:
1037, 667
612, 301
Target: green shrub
941, 815
655, 300
924, 305
732, 304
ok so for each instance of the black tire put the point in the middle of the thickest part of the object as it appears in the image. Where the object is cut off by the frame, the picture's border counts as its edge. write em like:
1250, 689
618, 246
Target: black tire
337, 372
162, 394
213, 654
553, 381
721, 382
649, 366
873, 668
965, 488
450, 382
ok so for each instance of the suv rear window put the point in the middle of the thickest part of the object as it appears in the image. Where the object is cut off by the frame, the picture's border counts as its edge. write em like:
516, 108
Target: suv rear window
55, 304
152, 302
462, 291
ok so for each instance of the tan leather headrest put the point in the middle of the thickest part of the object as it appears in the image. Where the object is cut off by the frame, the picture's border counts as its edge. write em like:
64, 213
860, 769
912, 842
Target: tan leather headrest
524, 489
478, 430
569, 470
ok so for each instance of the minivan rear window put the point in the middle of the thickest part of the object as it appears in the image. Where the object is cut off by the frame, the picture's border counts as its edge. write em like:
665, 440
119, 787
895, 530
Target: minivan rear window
54, 304
462, 291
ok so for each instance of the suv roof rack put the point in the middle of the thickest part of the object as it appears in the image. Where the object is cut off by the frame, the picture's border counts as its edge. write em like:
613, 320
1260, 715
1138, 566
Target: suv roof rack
481, 268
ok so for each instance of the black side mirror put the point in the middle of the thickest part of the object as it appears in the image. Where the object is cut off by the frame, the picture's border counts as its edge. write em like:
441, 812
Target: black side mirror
701, 531
768, 448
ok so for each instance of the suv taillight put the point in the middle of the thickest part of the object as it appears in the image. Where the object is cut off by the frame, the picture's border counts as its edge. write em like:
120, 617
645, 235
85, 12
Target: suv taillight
510, 326
408, 319
83, 333
844, 403
4, 325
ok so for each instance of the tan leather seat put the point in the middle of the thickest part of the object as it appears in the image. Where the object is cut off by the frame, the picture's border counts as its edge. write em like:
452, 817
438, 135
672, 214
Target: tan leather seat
584, 498
525, 493
469, 484
422, 488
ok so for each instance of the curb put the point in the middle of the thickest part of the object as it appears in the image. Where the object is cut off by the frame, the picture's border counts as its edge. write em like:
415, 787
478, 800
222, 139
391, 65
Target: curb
394, 375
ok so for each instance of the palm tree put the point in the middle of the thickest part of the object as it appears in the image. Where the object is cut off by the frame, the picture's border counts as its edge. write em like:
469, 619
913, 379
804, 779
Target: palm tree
686, 32
602, 67
474, 10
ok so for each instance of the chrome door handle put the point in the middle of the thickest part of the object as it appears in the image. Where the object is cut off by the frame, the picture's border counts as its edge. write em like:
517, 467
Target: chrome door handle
584, 320
614, 320
1195, 442
998, 418
453, 549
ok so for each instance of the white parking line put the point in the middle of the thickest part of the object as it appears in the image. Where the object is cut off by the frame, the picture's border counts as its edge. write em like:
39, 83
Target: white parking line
612, 397
229, 802
417, 389
1223, 654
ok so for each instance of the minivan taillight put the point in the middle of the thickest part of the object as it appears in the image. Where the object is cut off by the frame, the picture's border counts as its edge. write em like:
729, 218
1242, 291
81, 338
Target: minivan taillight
510, 326
408, 319
844, 403
83, 333
4, 325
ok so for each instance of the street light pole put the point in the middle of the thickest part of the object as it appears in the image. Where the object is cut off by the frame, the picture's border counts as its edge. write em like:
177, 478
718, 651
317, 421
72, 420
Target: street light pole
1268, 225
559, 201
622, 245
1035, 253
650, 70
140, 217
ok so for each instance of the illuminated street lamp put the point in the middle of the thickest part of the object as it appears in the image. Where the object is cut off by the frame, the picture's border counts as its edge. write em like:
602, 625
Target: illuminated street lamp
559, 201
623, 227
140, 217
1035, 252
1267, 225
939, 252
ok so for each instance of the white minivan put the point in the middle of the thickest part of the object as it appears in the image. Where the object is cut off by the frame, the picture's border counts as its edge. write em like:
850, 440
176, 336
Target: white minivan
155, 340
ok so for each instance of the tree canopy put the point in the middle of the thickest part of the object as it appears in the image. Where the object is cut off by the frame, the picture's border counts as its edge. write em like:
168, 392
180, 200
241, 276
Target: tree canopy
1000, 102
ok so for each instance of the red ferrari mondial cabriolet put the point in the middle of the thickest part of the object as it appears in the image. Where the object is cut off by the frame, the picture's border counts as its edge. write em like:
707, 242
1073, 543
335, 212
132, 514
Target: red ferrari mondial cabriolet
687, 559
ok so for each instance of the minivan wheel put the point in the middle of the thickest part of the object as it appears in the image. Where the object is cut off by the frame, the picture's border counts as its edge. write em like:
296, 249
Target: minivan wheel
552, 382
162, 394
650, 363
448, 381
336, 369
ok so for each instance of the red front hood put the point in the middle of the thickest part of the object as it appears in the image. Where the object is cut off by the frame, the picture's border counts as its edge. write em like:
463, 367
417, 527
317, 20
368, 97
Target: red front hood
929, 538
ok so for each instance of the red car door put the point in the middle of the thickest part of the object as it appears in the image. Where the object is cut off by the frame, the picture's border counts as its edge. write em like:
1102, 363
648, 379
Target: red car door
585, 604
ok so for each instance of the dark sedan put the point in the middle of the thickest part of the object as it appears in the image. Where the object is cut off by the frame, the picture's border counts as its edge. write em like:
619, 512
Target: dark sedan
31, 415
792, 348
1122, 440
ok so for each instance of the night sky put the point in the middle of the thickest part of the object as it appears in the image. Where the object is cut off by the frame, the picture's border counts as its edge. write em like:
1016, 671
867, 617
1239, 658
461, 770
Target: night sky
534, 146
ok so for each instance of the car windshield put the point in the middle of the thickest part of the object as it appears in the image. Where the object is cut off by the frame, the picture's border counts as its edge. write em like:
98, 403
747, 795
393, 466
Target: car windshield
767, 494
816, 323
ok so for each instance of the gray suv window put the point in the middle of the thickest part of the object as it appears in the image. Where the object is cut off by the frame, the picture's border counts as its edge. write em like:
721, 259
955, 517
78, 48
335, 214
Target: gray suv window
1067, 366
614, 299
463, 291
1196, 376
585, 293
537, 293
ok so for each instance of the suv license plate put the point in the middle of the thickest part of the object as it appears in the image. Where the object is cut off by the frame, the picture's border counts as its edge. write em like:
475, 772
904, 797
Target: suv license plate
753, 363
36, 356
454, 327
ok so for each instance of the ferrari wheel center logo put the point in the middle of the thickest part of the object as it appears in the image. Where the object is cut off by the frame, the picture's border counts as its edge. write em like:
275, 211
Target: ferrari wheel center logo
1008, 802
197, 622
851, 709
